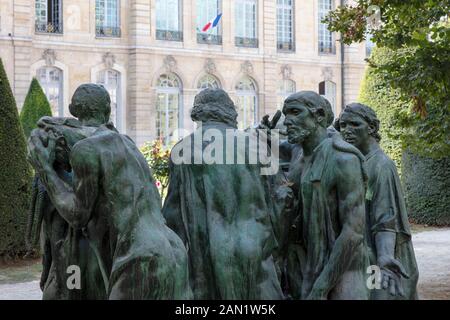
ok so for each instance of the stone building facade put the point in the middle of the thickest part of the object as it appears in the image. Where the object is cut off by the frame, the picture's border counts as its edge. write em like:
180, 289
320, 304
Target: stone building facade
153, 56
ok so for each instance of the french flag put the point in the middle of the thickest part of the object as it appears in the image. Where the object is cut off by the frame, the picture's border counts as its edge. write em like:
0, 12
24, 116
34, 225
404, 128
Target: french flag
212, 23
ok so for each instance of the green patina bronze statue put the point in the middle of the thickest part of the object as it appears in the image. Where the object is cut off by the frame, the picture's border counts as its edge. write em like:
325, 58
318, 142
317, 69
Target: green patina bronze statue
112, 198
334, 208
222, 209
331, 251
62, 245
388, 231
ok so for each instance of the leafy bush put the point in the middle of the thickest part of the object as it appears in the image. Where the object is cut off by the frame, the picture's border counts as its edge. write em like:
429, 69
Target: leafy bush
427, 189
426, 180
158, 157
15, 174
35, 106
417, 33
386, 102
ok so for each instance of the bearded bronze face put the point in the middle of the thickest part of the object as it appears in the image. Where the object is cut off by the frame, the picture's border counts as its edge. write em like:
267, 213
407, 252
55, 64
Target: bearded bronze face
299, 121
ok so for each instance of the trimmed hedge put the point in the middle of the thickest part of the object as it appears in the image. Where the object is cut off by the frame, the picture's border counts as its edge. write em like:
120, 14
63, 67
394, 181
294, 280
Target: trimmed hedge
35, 107
15, 174
426, 181
377, 94
427, 189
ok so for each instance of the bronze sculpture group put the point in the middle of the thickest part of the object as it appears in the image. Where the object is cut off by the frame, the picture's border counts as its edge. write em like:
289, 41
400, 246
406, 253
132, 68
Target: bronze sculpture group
225, 231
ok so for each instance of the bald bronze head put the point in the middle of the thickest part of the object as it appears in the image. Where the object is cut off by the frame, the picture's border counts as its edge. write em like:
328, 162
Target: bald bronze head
91, 104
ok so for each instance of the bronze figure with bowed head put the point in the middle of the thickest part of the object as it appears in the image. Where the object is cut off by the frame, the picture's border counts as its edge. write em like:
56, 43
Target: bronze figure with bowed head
113, 199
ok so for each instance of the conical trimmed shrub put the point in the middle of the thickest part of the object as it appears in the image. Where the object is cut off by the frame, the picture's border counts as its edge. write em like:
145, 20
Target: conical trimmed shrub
35, 107
15, 174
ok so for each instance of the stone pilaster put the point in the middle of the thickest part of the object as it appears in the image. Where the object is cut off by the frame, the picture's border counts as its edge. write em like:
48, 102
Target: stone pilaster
269, 41
22, 31
140, 117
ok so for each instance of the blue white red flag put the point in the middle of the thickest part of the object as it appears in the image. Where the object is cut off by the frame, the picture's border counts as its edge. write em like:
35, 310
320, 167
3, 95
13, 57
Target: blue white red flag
212, 23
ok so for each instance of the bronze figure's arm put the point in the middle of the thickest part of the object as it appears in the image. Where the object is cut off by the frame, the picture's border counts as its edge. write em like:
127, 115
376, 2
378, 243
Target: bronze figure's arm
75, 203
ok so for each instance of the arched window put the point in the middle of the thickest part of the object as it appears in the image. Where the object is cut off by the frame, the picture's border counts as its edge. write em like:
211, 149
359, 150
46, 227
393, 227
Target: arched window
110, 79
247, 102
168, 102
208, 81
327, 89
286, 88
51, 81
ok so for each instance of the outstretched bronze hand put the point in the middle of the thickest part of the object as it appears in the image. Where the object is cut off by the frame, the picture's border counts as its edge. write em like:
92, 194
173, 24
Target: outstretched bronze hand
270, 124
391, 273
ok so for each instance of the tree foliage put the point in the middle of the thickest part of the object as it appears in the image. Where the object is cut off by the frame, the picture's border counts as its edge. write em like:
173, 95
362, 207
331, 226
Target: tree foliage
158, 158
418, 34
388, 105
35, 106
426, 181
15, 174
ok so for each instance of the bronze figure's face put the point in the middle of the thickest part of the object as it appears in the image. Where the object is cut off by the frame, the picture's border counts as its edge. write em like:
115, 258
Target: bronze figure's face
354, 129
299, 121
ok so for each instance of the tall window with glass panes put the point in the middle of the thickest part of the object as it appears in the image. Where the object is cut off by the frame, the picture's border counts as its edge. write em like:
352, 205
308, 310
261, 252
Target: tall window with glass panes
168, 110
169, 20
245, 23
110, 79
326, 39
48, 16
246, 102
285, 25
107, 18
207, 10
51, 81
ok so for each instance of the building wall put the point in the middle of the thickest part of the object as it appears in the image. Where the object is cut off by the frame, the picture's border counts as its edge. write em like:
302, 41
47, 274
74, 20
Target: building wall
140, 57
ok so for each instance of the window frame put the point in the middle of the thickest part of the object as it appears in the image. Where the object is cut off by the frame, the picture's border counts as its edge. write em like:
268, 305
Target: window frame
322, 29
118, 95
166, 34
48, 25
203, 37
245, 40
200, 82
285, 46
47, 85
104, 30
247, 93
167, 90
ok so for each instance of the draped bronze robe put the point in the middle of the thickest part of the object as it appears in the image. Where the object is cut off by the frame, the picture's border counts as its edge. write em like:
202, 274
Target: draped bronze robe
386, 211
223, 214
